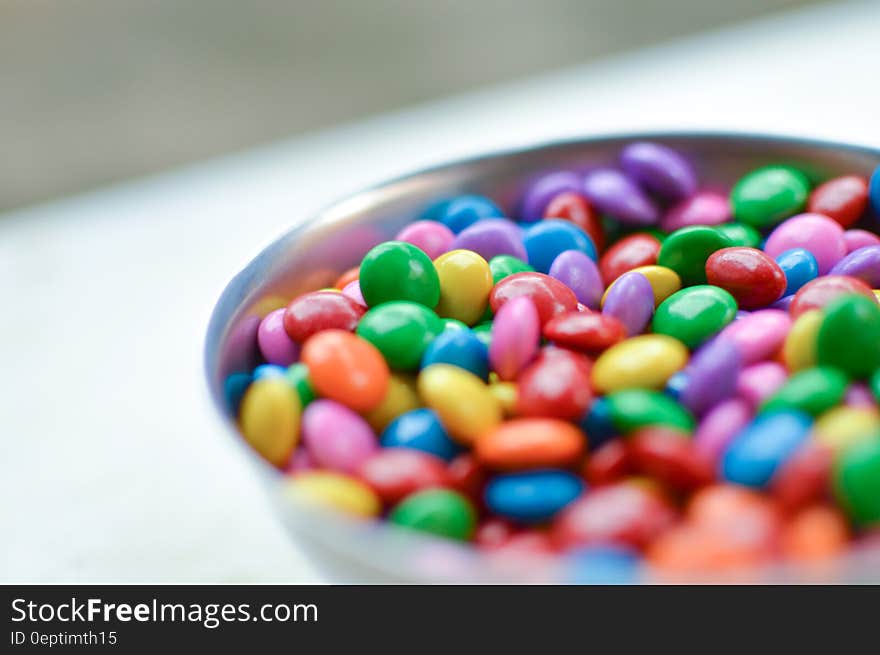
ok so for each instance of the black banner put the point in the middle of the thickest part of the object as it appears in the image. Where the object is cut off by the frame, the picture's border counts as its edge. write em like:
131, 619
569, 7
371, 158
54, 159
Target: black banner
416, 618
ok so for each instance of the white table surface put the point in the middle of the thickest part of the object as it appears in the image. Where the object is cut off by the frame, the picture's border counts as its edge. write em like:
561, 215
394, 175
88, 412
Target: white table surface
113, 469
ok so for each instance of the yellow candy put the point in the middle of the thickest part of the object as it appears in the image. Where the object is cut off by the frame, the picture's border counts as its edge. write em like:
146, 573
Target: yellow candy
335, 491
506, 393
664, 281
269, 304
269, 417
644, 362
464, 404
400, 398
876, 294
799, 349
840, 427
465, 283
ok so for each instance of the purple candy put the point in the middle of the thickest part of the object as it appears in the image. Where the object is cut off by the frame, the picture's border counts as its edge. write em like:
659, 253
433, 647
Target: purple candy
702, 208
490, 237
543, 190
718, 428
630, 300
612, 192
859, 395
863, 263
659, 169
712, 375
579, 273
783, 303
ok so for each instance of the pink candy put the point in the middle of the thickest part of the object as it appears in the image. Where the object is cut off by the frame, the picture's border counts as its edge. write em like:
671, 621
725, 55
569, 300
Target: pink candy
720, 425
516, 335
856, 239
353, 290
275, 345
336, 437
819, 234
759, 334
432, 237
702, 208
760, 381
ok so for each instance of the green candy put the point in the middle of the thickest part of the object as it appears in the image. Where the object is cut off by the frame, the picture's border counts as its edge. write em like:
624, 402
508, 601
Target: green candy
874, 383
298, 377
857, 481
694, 314
767, 195
438, 511
636, 408
813, 391
483, 332
849, 336
685, 251
401, 331
741, 234
505, 265
395, 270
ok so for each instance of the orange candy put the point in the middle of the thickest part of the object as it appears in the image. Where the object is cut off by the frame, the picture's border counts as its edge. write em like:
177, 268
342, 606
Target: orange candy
349, 276
347, 369
815, 533
531, 443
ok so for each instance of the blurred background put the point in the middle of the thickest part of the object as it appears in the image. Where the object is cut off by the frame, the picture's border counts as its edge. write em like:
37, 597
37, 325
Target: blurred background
94, 91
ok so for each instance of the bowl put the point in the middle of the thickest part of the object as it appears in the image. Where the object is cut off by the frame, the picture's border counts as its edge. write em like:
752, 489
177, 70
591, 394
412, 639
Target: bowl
313, 254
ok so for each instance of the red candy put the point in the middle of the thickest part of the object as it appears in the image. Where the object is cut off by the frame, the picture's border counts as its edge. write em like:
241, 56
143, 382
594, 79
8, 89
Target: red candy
817, 293
555, 385
630, 252
587, 332
750, 275
670, 457
467, 476
320, 310
805, 478
844, 199
576, 208
608, 463
623, 513
394, 473
551, 297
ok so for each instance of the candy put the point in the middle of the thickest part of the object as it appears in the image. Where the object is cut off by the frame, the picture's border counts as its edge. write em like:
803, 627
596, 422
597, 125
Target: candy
346, 368
396, 473
804, 478
669, 456
855, 239
400, 397
269, 419
631, 252
320, 310
857, 481
840, 427
685, 251
823, 290
334, 491
463, 211
503, 266
799, 267
812, 391
843, 198
401, 331
759, 335
751, 277
637, 408
702, 208
465, 283
579, 273
550, 296
437, 511
719, 426
863, 264
874, 190
556, 385
546, 239
491, 237
532, 496
756, 383
298, 377
711, 376
464, 404
432, 237
420, 429
395, 270
612, 192
541, 193
767, 195
591, 333
694, 314
740, 234
761, 447
659, 169
631, 301
849, 336
814, 533
816, 233
642, 362
576, 208
460, 348
664, 281
275, 345
336, 437
516, 334
530, 443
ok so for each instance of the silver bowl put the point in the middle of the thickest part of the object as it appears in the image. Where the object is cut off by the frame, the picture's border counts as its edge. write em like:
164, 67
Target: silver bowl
313, 254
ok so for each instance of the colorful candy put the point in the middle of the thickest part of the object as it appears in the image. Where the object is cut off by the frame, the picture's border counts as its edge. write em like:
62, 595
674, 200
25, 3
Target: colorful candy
635, 365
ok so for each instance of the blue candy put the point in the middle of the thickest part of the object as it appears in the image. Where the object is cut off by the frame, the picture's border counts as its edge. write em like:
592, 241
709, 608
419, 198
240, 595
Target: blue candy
532, 496
874, 190
269, 371
420, 429
463, 211
461, 348
676, 385
758, 450
603, 565
234, 387
598, 424
799, 266
546, 239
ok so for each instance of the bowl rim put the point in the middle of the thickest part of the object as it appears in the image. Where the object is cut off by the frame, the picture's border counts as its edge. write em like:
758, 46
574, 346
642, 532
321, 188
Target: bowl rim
216, 331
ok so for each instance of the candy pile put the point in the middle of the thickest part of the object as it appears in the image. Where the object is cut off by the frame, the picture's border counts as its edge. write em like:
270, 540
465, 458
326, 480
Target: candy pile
636, 365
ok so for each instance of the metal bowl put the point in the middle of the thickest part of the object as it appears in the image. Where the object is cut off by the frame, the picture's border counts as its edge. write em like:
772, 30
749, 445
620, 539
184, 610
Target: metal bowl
313, 254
